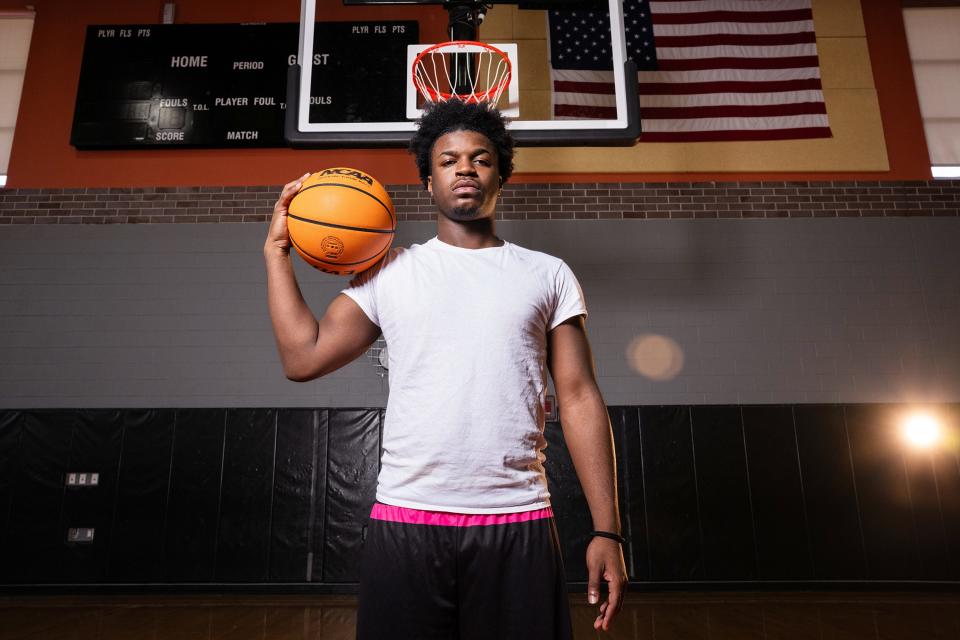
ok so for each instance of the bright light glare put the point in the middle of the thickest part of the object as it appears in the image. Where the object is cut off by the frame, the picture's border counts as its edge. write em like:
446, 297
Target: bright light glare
946, 172
3, 180
656, 357
922, 430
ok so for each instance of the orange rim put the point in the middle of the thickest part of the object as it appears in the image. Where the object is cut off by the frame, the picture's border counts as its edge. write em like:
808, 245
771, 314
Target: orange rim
434, 95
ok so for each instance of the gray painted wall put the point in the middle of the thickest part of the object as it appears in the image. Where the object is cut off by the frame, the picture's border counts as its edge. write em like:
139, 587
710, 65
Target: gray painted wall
758, 311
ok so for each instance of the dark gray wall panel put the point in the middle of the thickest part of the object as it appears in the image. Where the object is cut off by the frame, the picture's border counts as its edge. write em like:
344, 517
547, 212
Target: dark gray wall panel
193, 510
831, 498
246, 494
176, 313
729, 551
136, 547
293, 495
669, 479
353, 461
776, 490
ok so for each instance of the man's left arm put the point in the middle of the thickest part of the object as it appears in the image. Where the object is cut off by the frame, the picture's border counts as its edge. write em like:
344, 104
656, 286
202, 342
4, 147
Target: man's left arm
586, 430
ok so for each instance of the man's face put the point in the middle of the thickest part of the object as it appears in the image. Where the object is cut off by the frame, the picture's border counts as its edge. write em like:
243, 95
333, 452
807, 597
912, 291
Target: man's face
465, 177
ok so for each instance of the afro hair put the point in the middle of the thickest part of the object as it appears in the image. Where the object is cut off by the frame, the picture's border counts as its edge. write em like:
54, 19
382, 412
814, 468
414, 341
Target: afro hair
442, 118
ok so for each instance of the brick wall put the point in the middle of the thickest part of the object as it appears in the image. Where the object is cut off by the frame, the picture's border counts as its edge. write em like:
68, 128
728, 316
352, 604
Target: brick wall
519, 202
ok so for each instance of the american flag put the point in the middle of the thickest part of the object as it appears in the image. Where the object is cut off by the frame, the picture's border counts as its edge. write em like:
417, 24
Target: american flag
708, 69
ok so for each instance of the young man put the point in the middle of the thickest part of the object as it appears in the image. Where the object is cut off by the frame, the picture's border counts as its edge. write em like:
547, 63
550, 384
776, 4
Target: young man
461, 542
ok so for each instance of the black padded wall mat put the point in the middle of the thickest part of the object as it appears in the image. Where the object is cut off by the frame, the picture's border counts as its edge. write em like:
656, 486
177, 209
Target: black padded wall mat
193, 511
294, 499
319, 499
94, 446
271, 498
626, 439
572, 518
670, 487
9, 464
723, 488
136, 548
883, 494
353, 459
246, 495
836, 538
37, 541
776, 490
946, 466
927, 521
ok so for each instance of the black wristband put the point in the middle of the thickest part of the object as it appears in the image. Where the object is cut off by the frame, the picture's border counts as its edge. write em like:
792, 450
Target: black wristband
607, 534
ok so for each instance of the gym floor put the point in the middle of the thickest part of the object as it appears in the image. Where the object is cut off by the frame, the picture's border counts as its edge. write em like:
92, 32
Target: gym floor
687, 616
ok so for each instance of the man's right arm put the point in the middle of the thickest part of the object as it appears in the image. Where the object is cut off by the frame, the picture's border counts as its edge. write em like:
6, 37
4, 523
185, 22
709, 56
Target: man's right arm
308, 348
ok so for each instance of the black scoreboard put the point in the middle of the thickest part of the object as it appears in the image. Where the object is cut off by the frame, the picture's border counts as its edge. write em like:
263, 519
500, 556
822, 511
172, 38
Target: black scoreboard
224, 85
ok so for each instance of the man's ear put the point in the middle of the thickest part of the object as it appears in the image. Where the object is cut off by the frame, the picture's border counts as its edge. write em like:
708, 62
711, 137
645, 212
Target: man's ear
430, 184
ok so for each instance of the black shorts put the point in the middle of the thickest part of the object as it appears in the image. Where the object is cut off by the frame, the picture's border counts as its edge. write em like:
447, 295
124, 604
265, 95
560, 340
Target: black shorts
432, 575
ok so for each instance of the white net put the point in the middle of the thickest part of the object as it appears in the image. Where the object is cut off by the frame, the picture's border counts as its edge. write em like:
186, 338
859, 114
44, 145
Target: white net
468, 71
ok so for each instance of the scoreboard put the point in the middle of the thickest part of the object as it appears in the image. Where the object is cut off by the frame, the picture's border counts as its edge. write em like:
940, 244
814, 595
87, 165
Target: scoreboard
224, 85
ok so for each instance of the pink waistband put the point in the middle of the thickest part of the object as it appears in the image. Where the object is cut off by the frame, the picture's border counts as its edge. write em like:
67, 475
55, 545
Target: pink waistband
443, 519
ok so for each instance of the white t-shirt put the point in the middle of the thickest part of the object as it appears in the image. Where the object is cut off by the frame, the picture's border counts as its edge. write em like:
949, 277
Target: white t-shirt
466, 333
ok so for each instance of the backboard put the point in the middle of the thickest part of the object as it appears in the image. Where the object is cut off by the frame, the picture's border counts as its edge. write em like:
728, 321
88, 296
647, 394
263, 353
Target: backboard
572, 85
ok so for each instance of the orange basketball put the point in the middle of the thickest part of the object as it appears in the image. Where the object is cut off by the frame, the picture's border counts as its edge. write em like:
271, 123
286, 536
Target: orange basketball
341, 221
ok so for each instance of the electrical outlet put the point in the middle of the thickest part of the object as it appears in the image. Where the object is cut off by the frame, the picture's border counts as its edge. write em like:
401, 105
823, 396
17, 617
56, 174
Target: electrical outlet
76, 479
80, 534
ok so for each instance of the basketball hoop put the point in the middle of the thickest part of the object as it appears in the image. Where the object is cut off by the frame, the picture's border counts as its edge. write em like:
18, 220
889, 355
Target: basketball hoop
463, 69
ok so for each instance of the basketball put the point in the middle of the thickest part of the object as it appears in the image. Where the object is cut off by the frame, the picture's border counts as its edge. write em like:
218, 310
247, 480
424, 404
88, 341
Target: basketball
341, 220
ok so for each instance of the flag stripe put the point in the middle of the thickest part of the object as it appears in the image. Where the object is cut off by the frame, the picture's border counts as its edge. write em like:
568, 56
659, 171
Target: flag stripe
724, 87
732, 16
693, 77
583, 87
709, 69
738, 135
735, 124
715, 99
758, 28
591, 99
691, 88
733, 39
730, 75
738, 63
734, 110
696, 6
736, 51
